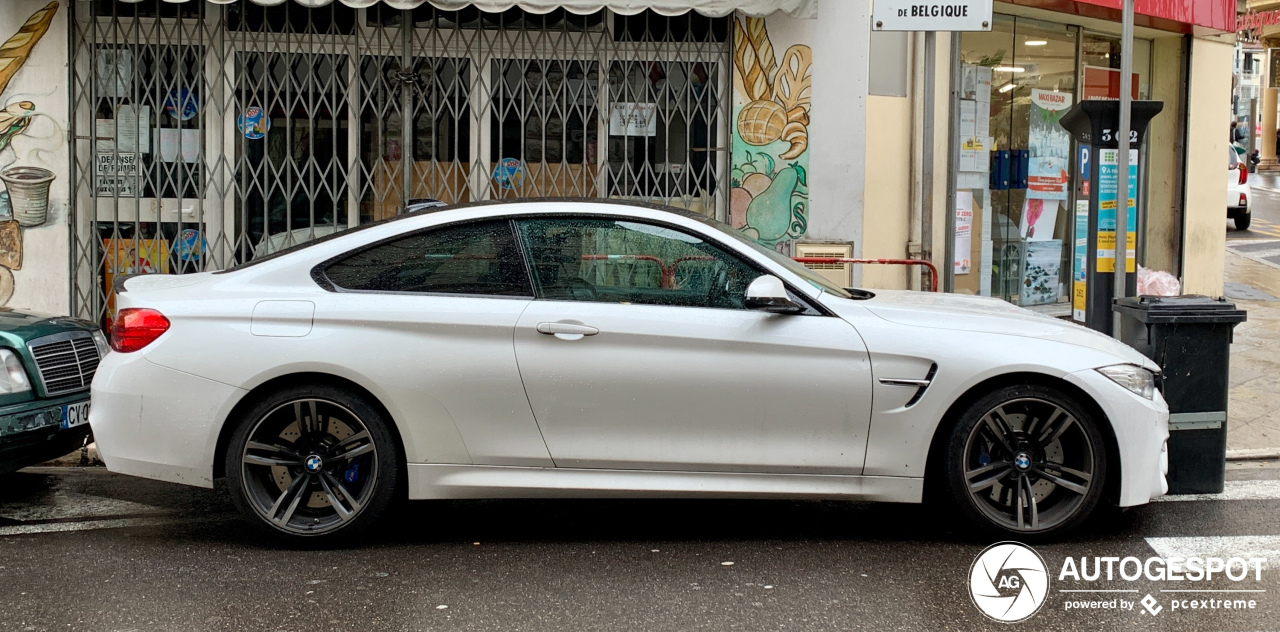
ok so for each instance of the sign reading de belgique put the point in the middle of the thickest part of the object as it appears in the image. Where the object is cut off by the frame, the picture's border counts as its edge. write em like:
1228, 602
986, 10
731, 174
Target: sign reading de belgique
938, 15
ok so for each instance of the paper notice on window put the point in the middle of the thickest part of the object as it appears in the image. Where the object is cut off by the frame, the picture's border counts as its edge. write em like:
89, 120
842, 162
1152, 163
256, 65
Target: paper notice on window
175, 144
115, 72
964, 232
633, 119
970, 145
133, 124
982, 85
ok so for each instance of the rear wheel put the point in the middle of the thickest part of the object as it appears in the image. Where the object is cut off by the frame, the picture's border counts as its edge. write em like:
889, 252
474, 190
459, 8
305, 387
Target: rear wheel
313, 464
1026, 462
1243, 219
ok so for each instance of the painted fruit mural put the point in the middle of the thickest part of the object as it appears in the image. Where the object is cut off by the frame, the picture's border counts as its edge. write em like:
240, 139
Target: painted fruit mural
769, 200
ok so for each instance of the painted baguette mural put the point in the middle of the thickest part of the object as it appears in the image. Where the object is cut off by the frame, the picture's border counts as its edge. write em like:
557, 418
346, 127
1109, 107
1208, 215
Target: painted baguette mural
24, 203
770, 196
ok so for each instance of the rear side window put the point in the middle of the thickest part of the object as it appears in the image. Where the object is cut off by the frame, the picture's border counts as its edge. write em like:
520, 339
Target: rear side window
478, 258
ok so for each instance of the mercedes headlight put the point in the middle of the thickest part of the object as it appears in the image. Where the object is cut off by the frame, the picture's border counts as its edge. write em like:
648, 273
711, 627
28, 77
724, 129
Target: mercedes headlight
100, 340
13, 379
1138, 380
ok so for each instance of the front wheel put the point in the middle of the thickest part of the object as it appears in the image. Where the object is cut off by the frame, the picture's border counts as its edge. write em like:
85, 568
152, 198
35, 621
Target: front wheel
314, 464
1026, 462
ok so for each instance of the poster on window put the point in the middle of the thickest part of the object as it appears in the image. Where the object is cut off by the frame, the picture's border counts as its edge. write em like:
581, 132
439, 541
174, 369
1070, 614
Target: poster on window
123, 257
1039, 217
1043, 265
115, 174
1050, 146
964, 232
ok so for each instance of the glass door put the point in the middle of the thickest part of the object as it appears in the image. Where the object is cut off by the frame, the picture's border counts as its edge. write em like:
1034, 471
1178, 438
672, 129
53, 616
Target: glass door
1015, 220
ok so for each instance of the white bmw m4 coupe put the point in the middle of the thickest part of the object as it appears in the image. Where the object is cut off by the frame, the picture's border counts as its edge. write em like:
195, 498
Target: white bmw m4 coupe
602, 349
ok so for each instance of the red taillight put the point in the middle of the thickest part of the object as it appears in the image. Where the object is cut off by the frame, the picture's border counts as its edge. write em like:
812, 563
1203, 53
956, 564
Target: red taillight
1244, 174
135, 328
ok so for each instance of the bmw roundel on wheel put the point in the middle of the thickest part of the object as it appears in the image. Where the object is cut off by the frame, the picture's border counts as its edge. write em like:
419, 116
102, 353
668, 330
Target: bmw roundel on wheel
574, 348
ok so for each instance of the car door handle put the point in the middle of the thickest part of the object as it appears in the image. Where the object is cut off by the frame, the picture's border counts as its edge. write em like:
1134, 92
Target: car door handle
552, 329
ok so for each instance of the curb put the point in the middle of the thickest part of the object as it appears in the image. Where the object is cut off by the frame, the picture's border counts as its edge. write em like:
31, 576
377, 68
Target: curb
1265, 454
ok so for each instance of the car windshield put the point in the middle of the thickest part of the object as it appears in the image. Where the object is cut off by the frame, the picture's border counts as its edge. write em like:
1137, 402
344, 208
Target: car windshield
797, 268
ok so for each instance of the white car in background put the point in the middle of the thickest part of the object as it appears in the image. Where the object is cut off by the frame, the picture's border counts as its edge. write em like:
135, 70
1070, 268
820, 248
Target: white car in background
1239, 208
607, 349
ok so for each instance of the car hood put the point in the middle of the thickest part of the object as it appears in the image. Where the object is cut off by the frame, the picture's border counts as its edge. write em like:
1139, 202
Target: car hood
990, 315
18, 326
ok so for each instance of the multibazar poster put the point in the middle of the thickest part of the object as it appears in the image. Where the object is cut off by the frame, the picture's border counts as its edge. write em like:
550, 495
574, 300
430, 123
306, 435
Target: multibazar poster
1050, 146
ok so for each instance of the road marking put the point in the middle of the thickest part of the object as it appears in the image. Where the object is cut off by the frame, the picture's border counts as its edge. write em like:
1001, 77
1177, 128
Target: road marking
1234, 490
1245, 546
87, 525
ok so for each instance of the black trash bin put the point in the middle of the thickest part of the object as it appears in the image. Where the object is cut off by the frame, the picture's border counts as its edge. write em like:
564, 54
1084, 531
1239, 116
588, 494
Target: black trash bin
1190, 338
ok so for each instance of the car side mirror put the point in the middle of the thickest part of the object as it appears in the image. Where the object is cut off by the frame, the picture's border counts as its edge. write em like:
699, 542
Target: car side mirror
768, 294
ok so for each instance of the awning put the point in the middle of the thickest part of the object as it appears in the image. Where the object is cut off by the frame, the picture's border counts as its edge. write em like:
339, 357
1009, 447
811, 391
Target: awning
796, 8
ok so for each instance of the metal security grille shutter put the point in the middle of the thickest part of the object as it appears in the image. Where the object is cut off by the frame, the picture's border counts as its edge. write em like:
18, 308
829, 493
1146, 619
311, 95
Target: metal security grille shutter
206, 135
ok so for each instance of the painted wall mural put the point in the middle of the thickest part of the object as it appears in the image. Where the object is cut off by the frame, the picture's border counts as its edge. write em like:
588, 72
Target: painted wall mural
772, 97
24, 202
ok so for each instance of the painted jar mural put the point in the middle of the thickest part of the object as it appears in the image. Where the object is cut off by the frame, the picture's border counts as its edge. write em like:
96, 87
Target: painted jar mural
772, 97
24, 202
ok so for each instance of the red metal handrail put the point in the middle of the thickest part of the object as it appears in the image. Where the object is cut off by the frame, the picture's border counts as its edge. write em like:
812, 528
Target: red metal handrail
933, 271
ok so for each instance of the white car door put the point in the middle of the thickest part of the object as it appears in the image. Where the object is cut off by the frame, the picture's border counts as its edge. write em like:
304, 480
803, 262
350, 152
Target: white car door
638, 354
430, 317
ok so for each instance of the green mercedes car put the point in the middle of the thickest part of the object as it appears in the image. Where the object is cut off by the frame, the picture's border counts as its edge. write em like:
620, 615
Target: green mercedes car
46, 366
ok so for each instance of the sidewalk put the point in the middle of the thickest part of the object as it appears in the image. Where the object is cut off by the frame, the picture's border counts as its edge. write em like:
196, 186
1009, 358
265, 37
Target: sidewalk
1253, 415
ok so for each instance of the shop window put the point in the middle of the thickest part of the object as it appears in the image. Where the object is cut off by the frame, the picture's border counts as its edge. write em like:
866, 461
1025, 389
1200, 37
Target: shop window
435, 92
667, 158
290, 17
649, 26
613, 261
292, 150
541, 111
1100, 55
1015, 216
478, 258
150, 121
147, 9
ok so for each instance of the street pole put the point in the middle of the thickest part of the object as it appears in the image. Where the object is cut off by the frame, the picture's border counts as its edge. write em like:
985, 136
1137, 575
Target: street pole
1122, 168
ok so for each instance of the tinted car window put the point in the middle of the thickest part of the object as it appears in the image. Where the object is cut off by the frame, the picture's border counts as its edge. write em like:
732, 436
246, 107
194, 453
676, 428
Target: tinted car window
478, 258
617, 261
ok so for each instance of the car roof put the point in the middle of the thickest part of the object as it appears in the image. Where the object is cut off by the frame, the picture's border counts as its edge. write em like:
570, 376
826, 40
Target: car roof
576, 201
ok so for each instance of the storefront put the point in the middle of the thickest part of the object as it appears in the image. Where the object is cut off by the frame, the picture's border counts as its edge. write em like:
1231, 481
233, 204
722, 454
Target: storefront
1020, 206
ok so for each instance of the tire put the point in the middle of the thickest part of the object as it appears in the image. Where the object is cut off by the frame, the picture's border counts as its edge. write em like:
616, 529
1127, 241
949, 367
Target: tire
1243, 220
1019, 439
347, 469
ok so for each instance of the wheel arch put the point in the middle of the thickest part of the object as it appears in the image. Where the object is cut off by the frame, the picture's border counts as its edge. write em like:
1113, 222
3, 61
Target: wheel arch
308, 378
1111, 490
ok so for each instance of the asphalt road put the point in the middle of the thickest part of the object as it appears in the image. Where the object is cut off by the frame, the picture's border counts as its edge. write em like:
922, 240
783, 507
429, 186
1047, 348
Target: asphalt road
83, 549
1265, 198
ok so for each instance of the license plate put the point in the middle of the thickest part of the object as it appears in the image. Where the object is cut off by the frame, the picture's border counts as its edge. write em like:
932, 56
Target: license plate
75, 415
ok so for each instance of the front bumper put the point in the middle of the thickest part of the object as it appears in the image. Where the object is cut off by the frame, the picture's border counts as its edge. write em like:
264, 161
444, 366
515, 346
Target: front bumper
1141, 429
31, 432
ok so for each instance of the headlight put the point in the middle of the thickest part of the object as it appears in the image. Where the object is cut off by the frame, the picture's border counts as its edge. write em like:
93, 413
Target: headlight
13, 379
1135, 378
100, 339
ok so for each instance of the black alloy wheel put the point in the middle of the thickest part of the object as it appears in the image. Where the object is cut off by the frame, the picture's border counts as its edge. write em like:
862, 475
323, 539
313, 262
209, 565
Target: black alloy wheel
313, 463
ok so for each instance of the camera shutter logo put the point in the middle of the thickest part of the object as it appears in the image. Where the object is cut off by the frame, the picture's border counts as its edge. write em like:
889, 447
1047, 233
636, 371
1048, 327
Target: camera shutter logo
1008, 582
